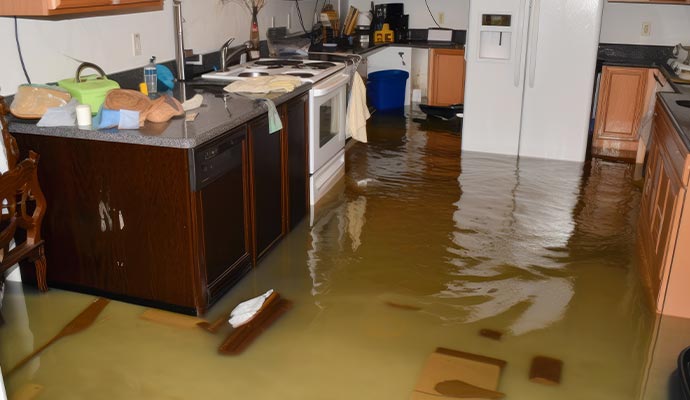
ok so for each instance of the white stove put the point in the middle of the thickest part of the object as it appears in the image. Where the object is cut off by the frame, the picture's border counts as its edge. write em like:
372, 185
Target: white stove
310, 71
327, 111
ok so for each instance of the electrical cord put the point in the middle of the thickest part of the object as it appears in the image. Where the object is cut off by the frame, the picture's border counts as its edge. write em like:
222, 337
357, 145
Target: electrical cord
301, 19
19, 50
430, 13
299, 15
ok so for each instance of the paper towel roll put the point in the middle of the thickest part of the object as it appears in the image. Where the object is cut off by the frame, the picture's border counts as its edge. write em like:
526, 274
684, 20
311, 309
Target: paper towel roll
83, 115
681, 54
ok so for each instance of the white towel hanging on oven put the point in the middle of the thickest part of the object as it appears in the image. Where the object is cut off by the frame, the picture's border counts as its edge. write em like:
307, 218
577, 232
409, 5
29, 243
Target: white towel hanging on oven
357, 110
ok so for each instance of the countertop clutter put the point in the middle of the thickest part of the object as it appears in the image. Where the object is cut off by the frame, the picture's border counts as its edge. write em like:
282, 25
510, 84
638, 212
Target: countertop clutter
219, 113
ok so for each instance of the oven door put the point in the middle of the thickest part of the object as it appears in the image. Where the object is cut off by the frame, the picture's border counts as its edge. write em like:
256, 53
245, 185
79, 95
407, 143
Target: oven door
327, 106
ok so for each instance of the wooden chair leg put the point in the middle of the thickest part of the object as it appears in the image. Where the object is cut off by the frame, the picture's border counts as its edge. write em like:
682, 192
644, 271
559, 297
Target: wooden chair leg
41, 267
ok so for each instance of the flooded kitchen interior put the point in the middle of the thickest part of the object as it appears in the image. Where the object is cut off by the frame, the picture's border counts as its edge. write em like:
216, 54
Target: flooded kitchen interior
421, 246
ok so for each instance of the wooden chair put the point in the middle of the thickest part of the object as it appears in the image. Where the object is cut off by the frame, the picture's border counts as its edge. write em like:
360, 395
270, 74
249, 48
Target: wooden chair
23, 208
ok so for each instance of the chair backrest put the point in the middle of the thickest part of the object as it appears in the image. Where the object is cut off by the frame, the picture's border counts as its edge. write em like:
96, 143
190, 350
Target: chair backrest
9, 152
18, 187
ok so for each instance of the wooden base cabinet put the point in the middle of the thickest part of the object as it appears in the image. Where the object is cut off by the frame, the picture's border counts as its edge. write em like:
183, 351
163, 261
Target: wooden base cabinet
620, 107
446, 77
664, 222
120, 221
279, 175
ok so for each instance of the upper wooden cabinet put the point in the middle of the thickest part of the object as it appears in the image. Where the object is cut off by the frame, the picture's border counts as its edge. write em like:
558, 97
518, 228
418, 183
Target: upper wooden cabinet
446, 77
63, 7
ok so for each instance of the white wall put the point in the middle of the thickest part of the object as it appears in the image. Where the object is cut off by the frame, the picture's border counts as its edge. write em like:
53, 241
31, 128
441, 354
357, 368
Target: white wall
622, 23
106, 41
456, 12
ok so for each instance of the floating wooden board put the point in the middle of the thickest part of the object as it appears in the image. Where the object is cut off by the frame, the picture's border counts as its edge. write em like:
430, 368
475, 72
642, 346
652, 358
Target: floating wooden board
170, 319
546, 370
451, 374
240, 338
402, 306
491, 334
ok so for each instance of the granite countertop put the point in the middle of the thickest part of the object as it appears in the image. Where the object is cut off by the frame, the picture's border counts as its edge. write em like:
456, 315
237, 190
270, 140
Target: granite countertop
219, 113
680, 115
420, 44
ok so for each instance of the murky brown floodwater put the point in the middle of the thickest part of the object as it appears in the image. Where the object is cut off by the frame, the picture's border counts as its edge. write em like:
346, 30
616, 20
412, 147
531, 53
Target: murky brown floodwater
420, 247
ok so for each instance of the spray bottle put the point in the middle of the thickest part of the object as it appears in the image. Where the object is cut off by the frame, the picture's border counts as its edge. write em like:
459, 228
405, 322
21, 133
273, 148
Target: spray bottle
151, 77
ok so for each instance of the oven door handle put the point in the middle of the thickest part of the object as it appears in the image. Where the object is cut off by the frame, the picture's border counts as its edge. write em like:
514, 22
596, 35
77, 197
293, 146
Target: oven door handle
330, 85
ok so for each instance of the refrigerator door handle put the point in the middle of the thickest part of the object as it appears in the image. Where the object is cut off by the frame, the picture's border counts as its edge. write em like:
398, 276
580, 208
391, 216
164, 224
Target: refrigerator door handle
534, 42
518, 58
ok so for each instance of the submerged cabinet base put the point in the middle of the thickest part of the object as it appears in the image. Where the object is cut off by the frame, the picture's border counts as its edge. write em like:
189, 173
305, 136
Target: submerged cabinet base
664, 222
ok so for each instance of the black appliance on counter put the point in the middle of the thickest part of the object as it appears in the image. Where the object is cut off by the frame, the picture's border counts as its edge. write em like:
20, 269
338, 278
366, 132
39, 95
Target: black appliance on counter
392, 14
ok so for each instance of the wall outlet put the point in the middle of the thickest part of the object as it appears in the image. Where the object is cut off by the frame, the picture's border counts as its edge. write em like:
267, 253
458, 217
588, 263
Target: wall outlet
646, 29
416, 95
441, 18
136, 44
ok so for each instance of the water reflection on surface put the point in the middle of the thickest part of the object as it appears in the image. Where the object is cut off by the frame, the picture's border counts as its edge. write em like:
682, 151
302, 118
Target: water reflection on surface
421, 246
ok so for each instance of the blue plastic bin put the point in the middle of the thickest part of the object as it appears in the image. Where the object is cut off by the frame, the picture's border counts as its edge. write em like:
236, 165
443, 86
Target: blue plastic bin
386, 89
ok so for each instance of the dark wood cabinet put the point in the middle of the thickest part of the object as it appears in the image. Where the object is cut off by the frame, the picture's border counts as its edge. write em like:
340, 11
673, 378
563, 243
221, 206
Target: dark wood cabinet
297, 165
266, 185
119, 220
161, 226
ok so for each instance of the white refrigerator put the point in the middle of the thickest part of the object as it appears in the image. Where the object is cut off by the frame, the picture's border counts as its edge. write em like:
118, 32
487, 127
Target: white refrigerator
530, 77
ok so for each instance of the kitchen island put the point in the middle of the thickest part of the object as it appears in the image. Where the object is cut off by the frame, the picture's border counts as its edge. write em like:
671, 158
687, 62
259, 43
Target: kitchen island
171, 215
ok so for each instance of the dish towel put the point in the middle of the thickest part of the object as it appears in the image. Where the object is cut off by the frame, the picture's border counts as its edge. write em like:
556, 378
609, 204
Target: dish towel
357, 110
274, 122
246, 310
265, 84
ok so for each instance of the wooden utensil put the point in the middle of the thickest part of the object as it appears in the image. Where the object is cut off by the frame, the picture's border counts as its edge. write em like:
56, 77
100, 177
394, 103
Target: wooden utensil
78, 324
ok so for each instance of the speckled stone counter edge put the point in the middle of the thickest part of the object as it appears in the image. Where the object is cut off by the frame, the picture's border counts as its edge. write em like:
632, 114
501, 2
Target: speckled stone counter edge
138, 137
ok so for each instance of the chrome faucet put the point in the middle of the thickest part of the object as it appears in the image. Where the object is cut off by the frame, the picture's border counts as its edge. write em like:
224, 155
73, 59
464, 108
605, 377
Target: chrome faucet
227, 53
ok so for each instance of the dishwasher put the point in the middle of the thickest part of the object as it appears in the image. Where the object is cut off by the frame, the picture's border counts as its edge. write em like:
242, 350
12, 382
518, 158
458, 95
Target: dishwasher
219, 176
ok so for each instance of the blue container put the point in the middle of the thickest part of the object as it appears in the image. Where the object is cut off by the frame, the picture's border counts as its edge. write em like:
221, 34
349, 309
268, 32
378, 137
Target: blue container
386, 89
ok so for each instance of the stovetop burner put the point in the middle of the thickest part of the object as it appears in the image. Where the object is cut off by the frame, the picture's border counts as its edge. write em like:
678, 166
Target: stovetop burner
317, 65
306, 70
301, 74
277, 63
